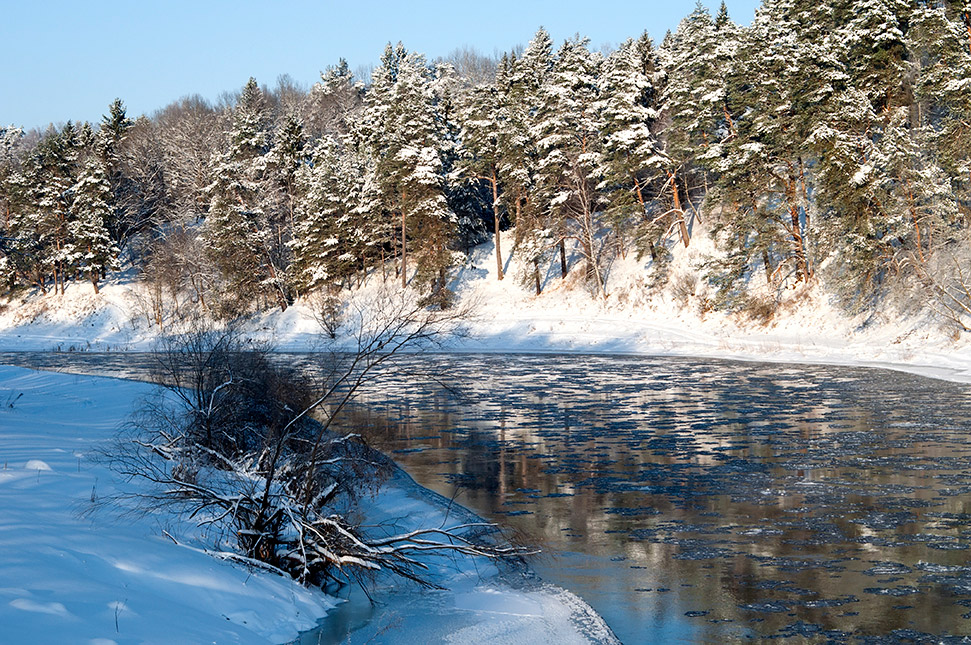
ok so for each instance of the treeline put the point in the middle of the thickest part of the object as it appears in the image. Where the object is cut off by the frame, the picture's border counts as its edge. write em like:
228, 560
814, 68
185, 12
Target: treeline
826, 141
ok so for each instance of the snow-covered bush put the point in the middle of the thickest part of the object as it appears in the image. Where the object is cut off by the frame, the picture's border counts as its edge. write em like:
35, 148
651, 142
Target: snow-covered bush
245, 447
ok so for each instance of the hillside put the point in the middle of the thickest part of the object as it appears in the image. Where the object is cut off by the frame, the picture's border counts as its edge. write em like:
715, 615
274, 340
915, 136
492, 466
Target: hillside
566, 317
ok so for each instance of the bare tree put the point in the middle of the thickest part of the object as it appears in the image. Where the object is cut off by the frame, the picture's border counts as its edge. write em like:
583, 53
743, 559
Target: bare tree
245, 446
947, 280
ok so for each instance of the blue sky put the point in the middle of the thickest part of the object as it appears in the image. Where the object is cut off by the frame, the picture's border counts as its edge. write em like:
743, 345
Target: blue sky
68, 60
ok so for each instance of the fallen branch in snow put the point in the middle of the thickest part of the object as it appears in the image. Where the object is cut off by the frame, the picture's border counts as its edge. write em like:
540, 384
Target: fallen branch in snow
238, 444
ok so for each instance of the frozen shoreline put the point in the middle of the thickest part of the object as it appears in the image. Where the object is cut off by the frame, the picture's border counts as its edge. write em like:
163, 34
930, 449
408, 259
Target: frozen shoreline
99, 579
508, 318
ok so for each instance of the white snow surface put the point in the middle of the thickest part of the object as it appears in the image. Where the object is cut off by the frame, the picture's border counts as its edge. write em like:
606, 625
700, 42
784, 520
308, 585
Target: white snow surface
71, 576
634, 319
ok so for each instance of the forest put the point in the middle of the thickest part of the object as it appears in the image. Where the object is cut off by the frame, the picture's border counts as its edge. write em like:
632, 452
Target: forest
825, 144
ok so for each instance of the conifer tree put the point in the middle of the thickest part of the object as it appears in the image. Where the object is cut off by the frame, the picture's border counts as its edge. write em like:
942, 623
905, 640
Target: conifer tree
111, 136
696, 58
485, 123
632, 155
570, 164
89, 248
519, 81
405, 141
333, 238
238, 230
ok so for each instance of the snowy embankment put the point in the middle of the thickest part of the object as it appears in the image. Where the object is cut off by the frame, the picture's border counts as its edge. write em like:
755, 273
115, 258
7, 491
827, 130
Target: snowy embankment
70, 576
634, 319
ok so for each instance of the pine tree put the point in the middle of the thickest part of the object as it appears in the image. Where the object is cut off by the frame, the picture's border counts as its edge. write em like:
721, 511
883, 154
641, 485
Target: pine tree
89, 248
632, 155
238, 231
405, 142
334, 102
696, 59
518, 83
332, 239
110, 139
284, 161
52, 172
941, 49
484, 122
761, 196
570, 164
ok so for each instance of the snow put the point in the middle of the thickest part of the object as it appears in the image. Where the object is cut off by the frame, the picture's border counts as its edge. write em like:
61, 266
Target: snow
74, 574
71, 577
68, 577
565, 318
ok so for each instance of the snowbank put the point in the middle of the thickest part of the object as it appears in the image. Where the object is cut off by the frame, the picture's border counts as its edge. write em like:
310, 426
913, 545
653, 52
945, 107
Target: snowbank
67, 576
565, 318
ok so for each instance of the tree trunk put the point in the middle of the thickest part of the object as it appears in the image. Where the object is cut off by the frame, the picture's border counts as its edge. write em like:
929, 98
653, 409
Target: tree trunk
495, 216
94, 281
683, 227
536, 276
914, 219
802, 265
404, 251
802, 270
562, 258
967, 25
281, 297
767, 263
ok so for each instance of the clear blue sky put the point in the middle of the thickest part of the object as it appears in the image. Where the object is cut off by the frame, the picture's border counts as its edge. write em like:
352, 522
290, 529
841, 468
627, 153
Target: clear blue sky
68, 60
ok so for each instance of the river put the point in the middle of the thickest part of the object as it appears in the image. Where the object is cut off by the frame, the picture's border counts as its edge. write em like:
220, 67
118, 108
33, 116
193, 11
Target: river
693, 500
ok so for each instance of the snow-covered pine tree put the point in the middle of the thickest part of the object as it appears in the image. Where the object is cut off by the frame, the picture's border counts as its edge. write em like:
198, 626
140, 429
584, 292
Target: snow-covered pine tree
239, 231
110, 139
859, 143
284, 160
570, 163
13, 194
89, 248
333, 103
760, 200
467, 200
332, 237
941, 57
405, 141
633, 161
43, 225
484, 121
695, 59
520, 82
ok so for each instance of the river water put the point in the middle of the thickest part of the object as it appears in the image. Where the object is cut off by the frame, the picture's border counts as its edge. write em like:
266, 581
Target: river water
694, 500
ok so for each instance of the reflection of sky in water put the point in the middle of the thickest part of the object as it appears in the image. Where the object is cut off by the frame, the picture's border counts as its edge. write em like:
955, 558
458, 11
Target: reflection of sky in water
701, 500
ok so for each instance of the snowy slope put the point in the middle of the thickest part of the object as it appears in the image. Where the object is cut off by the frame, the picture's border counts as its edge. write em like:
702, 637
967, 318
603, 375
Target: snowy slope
565, 318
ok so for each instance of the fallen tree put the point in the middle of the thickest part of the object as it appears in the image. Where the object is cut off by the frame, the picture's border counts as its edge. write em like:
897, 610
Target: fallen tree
245, 447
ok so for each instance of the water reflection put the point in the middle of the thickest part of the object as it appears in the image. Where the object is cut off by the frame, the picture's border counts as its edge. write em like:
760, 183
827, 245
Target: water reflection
701, 500
747, 499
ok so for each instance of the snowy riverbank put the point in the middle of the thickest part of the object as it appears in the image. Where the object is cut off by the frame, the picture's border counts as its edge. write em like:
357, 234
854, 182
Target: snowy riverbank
71, 577
565, 318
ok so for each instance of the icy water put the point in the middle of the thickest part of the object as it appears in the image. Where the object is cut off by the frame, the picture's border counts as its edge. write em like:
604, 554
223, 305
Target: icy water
700, 500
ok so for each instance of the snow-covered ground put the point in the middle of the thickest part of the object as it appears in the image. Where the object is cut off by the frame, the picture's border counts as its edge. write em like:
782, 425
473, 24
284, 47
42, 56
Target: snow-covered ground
565, 318
71, 576
68, 577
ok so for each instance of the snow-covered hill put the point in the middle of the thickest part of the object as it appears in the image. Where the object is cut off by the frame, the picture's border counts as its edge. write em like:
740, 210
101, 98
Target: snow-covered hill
566, 317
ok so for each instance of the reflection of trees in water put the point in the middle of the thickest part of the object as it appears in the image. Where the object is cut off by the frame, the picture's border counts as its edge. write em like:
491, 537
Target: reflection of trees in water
773, 470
